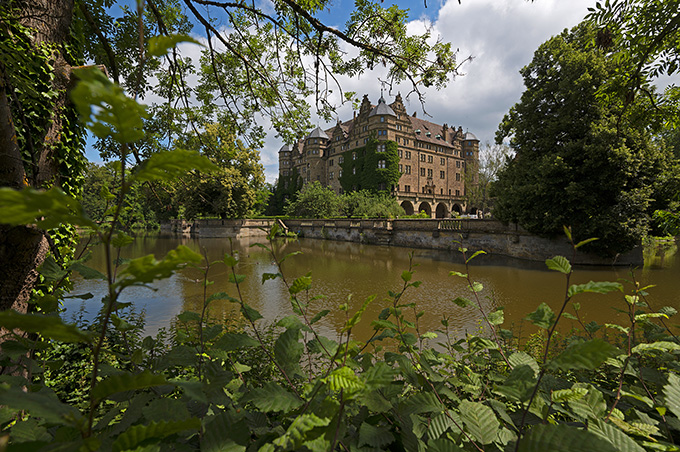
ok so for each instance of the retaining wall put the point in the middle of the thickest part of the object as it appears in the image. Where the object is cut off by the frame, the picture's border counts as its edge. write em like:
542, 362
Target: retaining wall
491, 236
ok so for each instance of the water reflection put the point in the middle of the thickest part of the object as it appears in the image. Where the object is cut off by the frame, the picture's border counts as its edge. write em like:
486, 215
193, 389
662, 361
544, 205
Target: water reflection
342, 271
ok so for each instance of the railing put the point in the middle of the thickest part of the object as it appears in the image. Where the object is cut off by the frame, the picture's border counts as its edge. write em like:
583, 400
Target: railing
450, 225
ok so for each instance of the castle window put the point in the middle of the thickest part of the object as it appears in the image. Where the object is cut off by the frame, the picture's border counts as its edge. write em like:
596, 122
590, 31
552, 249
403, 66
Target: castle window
365, 140
458, 176
457, 163
381, 163
381, 148
422, 157
422, 172
330, 162
442, 161
340, 173
401, 168
430, 159
457, 192
382, 119
429, 172
341, 159
407, 188
330, 175
442, 174
354, 155
408, 169
400, 153
354, 170
408, 155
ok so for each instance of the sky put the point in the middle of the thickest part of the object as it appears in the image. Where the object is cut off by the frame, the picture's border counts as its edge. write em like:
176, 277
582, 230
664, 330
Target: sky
499, 35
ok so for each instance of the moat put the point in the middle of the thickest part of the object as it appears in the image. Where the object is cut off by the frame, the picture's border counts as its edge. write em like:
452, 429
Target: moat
341, 269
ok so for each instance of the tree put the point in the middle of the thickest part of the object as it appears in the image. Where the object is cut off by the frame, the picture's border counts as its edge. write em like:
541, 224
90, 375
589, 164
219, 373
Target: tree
233, 190
364, 204
643, 38
479, 180
260, 67
314, 201
580, 161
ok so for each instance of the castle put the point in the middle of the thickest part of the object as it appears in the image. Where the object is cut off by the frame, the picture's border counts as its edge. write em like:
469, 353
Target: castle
384, 148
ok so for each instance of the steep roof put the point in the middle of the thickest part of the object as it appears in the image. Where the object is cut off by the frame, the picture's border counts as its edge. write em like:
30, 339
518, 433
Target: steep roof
470, 136
434, 129
382, 109
318, 133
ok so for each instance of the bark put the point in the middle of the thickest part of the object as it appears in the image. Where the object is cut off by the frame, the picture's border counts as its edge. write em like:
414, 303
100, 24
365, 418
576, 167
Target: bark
24, 248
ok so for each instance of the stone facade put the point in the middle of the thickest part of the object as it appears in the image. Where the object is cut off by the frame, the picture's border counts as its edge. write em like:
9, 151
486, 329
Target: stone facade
432, 158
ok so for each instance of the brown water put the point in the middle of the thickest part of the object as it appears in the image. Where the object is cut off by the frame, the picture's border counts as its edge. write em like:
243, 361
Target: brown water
341, 270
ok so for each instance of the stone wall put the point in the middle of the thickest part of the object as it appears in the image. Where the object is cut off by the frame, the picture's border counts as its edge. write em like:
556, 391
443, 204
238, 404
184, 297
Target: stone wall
491, 236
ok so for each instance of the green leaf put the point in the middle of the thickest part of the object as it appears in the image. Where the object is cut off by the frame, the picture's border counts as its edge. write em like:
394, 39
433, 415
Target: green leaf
87, 272
235, 341
595, 287
235, 278
592, 406
560, 264
48, 326
442, 445
376, 437
476, 253
521, 358
222, 433
562, 438
126, 382
344, 378
300, 284
406, 275
250, 313
671, 393
268, 276
104, 107
43, 404
299, 431
138, 434
51, 271
170, 165
584, 242
288, 351
656, 346
459, 274
542, 317
272, 397
121, 240
497, 317
439, 424
587, 355
319, 316
519, 384
621, 441
480, 421
567, 395
159, 45
351, 323
147, 269
46, 209
464, 302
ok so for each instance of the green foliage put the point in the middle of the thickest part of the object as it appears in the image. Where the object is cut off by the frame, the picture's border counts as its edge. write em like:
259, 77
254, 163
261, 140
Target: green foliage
314, 201
580, 160
360, 169
216, 387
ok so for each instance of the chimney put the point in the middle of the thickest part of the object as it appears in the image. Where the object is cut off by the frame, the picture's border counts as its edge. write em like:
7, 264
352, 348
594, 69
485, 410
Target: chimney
445, 132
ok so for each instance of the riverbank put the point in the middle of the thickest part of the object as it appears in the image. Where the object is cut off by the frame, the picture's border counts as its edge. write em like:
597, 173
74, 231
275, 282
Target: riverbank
490, 236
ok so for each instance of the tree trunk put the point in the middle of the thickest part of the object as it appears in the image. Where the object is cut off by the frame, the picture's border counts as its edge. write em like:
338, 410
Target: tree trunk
23, 249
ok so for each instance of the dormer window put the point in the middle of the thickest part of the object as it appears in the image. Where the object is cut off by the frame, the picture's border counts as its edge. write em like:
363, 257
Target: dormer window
418, 131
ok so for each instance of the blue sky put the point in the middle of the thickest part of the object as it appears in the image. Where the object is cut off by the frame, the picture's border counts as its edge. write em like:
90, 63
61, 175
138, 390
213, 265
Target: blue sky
500, 35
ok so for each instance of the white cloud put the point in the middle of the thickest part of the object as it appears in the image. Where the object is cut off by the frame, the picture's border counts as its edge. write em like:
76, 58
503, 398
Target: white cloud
500, 35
